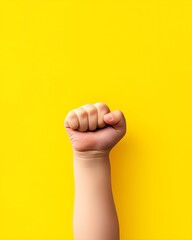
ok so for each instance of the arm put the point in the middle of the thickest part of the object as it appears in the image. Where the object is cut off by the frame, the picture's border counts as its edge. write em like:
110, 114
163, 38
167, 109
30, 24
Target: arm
93, 135
94, 210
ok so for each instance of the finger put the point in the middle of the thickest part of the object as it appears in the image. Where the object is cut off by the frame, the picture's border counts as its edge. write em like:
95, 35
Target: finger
102, 109
116, 119
92, 116
82, 118
71, 120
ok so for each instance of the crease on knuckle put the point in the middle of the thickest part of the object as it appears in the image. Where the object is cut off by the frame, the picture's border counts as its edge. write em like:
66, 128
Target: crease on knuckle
102, 107
90, 109
82, 113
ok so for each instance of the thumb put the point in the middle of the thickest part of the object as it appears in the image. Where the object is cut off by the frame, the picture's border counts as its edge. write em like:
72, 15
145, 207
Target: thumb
116, 119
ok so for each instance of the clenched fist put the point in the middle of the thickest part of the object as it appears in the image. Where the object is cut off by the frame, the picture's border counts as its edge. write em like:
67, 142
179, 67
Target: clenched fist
92, 127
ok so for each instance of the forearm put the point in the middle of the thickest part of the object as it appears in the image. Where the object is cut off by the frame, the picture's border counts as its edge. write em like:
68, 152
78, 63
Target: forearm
95, 216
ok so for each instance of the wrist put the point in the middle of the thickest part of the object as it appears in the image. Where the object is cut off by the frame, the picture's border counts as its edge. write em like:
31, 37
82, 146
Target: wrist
91, 158
91, 154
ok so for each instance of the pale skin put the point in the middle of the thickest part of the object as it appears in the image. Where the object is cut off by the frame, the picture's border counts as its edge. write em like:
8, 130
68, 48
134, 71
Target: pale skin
93, 135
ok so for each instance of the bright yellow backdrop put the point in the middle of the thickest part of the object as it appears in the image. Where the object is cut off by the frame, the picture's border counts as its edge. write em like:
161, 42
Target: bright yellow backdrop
133, 55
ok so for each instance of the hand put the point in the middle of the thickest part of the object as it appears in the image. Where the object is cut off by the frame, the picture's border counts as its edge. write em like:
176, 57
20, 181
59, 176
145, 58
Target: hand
90, 128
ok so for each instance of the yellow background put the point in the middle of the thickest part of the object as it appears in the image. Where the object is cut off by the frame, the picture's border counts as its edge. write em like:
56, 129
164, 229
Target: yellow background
133, 55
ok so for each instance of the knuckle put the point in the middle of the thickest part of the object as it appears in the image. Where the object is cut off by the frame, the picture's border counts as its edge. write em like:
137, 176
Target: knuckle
101, 106
70, 115
82, 113
90, 109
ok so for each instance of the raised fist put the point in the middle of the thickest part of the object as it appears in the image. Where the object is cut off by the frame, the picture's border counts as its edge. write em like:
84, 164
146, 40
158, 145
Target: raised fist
92, 127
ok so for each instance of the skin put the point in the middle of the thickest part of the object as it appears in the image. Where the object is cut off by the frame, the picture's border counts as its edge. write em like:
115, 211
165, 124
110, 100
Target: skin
93, 134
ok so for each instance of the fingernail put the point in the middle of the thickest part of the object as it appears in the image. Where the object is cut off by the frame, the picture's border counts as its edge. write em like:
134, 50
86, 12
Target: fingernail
109, 117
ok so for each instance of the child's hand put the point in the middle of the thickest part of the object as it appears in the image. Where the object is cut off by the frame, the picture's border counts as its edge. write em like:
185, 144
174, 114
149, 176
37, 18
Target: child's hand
90, 128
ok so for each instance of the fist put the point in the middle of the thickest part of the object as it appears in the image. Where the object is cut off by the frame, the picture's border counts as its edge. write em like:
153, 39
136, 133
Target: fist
92, 127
